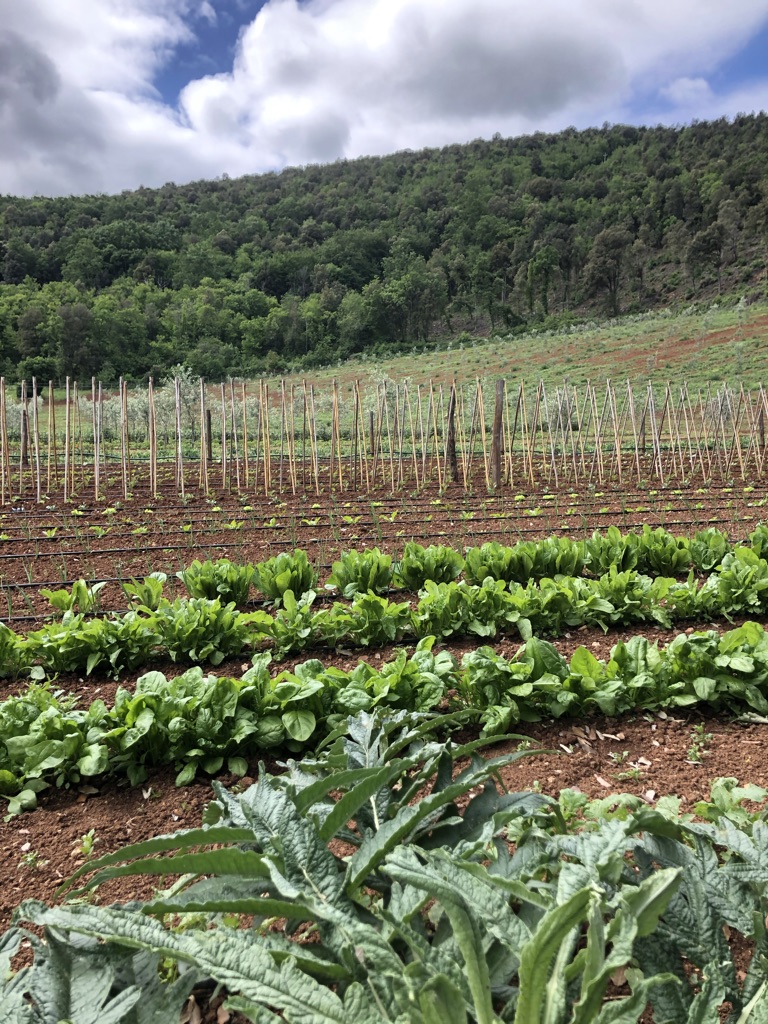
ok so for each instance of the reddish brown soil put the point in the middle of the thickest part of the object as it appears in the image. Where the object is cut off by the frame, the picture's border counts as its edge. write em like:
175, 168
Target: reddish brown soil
41, 848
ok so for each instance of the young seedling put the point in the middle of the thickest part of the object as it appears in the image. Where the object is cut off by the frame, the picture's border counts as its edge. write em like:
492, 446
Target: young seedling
83, 847
700, 740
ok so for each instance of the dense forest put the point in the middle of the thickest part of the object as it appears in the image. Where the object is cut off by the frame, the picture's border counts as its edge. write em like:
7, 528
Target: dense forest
303, 267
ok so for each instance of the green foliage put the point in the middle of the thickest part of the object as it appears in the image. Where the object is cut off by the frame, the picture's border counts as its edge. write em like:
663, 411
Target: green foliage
285, 572
12, 660
77, 644
263, 272
149, 592
191, 720
221, 579
437, 562
739, 587
430, 919
612, 550
660, 553
83, 596
359, 571
201, 630
490, 559
708, 548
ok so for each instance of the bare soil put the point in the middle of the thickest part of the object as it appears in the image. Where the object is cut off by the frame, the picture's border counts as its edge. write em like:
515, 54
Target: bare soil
644, 754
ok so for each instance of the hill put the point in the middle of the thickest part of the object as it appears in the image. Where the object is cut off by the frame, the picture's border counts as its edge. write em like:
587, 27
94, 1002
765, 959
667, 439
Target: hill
374, 256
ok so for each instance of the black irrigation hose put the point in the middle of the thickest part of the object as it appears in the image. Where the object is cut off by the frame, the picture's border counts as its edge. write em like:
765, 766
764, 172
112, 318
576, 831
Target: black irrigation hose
434, 535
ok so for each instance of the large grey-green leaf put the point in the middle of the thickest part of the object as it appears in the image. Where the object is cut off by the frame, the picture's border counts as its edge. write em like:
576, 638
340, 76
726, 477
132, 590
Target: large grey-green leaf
183, 840
231, 957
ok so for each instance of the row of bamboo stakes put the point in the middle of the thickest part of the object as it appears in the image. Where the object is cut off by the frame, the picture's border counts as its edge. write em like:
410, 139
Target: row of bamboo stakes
430, 434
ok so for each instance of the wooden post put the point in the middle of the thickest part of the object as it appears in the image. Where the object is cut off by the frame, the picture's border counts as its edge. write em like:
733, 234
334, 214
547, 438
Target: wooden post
450, 444
497, 440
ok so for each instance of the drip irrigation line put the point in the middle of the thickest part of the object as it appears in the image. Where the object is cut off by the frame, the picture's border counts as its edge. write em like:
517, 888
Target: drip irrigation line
435, 534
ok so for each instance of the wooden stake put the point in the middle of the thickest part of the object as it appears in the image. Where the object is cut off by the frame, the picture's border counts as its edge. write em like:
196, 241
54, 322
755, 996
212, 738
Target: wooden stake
36, 439
234, 435
497, 439
66, 441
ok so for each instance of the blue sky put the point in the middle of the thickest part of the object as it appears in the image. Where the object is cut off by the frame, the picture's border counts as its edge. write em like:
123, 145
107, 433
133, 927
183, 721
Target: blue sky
105, 95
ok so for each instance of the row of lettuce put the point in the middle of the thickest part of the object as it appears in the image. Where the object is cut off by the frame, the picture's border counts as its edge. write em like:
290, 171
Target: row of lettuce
195, 720
200, 629
651, 551
430, 918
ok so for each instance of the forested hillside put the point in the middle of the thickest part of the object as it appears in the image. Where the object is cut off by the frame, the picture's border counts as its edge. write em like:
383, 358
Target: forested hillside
306, 266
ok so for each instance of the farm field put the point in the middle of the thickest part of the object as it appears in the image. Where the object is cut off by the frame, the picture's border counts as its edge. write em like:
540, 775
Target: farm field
663, 749
701, 346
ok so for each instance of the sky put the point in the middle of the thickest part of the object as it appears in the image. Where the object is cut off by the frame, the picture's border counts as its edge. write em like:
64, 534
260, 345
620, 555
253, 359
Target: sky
98, 96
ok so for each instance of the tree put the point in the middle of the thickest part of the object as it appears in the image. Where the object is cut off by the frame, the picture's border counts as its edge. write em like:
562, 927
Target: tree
541, 268
605, 264
706, 250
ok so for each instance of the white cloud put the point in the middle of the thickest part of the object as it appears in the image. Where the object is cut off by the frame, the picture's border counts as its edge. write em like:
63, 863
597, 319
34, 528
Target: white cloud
328, 78
687, 92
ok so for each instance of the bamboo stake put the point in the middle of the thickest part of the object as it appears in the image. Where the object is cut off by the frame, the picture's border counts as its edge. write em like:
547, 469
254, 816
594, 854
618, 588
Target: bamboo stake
52, 449
66, 441
552, 454
234, 433
179, 444
353, 440
4, 474
152, 440
23, 435
292, 444
282, 429
203, 472
36, 439
433, 407
100, 434
223, 456
407, 404
260, 441
363, 439
304, 441
80, 437
389, 440
497, 438
508, 471
519, 416
123, 444
337, 432
95, 441
313, 438
246, 467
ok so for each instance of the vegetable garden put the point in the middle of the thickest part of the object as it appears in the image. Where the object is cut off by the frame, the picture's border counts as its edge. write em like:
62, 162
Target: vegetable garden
419, 750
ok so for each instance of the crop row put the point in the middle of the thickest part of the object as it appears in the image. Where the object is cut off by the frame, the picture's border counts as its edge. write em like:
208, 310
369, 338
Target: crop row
652, 551
429, 919
201, 629
196, 720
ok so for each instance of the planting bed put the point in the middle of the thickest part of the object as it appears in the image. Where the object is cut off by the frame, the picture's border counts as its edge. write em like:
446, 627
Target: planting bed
651, 754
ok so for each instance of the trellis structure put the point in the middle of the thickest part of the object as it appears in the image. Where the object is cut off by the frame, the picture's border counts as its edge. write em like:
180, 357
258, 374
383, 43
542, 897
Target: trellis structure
293, 438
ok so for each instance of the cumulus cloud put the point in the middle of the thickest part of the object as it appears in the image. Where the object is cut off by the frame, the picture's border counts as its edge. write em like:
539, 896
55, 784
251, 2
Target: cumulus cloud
321, 79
